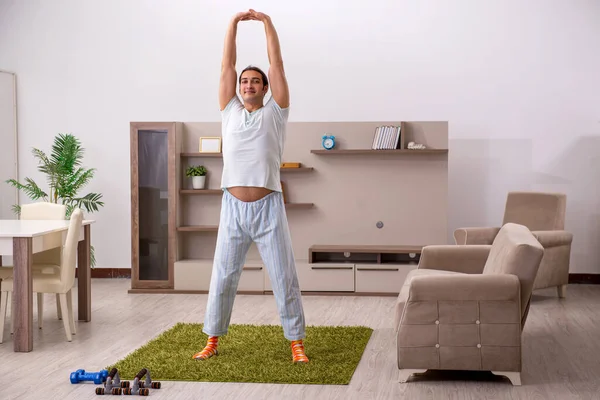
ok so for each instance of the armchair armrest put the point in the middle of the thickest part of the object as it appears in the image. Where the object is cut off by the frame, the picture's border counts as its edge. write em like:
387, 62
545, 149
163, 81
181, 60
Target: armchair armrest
553, 238
488, 287
468, 259
476, 235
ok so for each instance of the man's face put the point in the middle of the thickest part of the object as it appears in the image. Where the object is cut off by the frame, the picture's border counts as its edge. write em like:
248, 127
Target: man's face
251, 86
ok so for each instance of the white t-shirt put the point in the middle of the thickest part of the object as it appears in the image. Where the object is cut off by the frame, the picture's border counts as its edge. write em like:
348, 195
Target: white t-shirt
253, 144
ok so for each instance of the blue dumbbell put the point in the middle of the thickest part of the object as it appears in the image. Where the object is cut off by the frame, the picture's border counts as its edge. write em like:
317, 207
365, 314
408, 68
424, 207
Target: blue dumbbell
80, 375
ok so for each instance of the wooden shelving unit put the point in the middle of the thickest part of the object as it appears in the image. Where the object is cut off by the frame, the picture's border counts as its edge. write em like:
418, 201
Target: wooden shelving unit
399, 152
178, 258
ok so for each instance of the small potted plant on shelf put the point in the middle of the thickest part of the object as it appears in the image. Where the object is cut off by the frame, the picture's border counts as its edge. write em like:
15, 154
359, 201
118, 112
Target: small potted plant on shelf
198, 175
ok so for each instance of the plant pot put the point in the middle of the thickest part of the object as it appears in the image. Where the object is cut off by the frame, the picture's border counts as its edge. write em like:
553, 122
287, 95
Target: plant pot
198, 182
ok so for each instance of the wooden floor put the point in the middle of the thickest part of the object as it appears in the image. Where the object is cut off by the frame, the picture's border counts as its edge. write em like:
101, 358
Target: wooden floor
561, 353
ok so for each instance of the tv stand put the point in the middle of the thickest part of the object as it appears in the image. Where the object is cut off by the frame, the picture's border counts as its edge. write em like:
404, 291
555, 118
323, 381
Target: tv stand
375, 269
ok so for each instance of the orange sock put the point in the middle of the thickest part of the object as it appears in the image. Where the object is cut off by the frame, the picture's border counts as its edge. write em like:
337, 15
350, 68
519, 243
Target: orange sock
210, 349
298, 352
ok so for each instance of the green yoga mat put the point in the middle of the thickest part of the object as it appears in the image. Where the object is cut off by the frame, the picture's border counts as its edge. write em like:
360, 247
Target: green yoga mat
250, 353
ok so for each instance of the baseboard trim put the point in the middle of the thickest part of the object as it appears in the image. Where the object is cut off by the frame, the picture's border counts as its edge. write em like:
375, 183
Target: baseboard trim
110, 272
587, 279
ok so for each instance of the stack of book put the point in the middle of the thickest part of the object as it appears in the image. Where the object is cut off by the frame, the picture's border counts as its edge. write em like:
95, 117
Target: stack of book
386, 138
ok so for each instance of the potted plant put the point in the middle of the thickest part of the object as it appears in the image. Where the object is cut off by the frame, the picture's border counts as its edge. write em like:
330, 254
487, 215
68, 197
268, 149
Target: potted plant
198, 175
66, 177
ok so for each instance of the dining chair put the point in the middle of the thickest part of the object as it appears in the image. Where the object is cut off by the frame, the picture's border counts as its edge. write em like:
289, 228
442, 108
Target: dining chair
60, 281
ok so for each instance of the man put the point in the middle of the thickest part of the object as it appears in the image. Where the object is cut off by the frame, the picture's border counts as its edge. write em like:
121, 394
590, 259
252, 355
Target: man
252, 209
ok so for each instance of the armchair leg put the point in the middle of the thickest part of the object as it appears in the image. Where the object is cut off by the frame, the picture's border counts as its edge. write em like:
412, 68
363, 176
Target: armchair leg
404, 374
514, 377
562, 291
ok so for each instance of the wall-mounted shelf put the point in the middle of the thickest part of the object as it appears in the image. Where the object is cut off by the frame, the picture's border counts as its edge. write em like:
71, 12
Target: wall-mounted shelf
379, 152
198, 228
215, 228
219, 191
300, 169
200, 191
198, 154
299, 205
220, 155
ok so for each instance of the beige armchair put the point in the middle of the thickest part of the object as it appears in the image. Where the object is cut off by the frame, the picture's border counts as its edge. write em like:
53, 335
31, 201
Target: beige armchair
465, 306
544, 215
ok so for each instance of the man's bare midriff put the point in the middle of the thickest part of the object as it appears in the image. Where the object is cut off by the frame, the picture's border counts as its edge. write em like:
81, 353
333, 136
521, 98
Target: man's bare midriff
249, 193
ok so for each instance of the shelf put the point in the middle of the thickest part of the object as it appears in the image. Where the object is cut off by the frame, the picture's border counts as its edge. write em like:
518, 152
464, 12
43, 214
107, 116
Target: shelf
198, 154
300, 169
299, 205
208, 262
367, 248
198, 228
200, 191
220, 155
379, 152
365, 254
218, 191
215, 228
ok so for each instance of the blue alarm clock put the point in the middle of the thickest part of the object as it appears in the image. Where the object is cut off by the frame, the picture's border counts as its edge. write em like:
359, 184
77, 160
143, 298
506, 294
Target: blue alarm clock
328, 142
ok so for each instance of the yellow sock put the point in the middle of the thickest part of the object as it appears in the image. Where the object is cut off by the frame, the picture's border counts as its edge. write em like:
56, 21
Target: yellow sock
298, 352
210, 349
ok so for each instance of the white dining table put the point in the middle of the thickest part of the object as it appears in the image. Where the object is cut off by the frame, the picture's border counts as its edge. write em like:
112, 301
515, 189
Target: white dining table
23, 238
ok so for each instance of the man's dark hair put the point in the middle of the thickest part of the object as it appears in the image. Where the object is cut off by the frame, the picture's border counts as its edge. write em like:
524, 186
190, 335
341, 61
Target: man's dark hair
253, 68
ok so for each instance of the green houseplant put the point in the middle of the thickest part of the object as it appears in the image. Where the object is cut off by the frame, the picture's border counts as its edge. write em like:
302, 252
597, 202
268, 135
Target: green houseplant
65, 177
198, 175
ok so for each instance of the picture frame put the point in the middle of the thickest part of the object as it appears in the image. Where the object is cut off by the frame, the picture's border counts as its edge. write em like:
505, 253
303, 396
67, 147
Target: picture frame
210, 144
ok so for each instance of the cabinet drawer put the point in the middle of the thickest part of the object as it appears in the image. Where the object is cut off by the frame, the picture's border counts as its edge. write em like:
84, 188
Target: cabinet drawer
326, 277
381, 278
252, 278
196, 275
192, 275
323, 277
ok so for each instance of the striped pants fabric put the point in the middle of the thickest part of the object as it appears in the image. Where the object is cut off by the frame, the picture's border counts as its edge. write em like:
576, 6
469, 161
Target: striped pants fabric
263, 222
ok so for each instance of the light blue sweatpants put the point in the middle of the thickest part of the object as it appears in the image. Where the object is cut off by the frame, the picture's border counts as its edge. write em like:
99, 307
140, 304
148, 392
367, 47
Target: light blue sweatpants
263, 222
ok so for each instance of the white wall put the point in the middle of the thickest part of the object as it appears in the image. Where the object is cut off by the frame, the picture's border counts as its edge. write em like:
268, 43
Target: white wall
8, 141
518, 81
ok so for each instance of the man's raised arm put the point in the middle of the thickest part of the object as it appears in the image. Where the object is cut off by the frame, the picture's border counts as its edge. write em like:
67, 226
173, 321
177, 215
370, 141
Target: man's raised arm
228, 83
278, 81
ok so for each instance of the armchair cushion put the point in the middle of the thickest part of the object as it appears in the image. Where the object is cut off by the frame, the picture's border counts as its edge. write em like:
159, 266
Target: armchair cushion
469, 259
